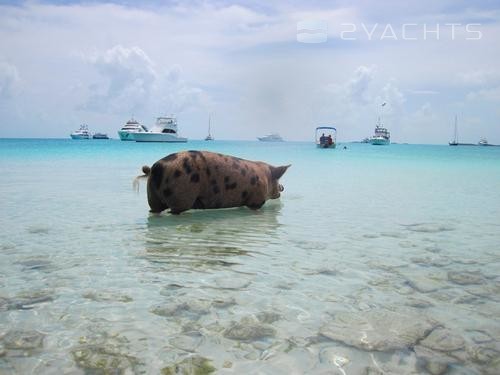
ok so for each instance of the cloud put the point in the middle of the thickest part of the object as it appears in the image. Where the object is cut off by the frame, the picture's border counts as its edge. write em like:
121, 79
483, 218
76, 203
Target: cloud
130, 82
128, 77
357, 87
9, 80
489, 94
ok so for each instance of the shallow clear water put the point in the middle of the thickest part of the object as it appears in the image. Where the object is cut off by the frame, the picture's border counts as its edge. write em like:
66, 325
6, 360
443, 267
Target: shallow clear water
375, 259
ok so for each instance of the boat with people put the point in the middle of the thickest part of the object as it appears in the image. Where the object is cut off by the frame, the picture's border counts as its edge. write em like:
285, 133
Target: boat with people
81, 133
328, 137
273, 137
131, 127
209, 136
165, 130
382, 136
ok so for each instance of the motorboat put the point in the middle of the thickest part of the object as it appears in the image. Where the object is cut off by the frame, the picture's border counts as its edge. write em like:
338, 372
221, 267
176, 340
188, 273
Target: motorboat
209, 136
165, 130
381, 136
328, 137
100, 136
274, 137
483, 142
131, 127
81, 133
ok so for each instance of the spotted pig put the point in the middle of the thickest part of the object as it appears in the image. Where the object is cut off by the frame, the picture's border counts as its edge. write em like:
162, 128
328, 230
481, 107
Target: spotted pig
202, 179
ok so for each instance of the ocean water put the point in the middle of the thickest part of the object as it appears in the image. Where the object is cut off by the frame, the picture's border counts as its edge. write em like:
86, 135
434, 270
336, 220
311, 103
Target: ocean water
374, 260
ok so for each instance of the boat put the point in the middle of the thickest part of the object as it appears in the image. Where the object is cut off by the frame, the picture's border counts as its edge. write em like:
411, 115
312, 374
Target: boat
82, 133
165, 130
131, 127
328, 137
100, 136
209, 136
274, 137
455, 136
483, 142
381, 136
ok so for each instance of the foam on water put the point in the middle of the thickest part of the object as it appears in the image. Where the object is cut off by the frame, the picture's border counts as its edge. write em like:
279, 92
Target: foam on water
374, 259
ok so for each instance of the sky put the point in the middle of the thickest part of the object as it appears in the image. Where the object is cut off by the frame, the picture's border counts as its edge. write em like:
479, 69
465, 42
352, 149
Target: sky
64, 63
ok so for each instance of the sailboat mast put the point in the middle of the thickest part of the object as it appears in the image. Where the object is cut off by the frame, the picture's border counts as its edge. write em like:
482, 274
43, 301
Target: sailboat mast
456, 130
209, 125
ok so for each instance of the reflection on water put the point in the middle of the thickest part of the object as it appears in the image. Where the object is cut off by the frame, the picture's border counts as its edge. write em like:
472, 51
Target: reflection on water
209, 238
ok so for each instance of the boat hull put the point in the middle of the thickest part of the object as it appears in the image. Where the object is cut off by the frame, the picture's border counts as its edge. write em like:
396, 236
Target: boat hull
157, 137
126, 136
100, 136
333, 145
79, 136
379, 142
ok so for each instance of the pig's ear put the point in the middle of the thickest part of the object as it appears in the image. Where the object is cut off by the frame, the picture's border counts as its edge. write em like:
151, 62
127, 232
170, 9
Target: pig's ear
277, 172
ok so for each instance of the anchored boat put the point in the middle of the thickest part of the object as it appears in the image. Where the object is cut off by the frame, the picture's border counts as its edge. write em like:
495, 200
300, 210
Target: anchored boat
328, 137
131, 127
165, 130
82, 133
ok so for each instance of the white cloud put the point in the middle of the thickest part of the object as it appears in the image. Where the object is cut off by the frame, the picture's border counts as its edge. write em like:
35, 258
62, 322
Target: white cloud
490, 94
130, 82
9, 80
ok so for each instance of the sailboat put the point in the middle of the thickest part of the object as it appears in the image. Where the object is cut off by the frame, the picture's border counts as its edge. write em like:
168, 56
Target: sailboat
209, 136
455, 138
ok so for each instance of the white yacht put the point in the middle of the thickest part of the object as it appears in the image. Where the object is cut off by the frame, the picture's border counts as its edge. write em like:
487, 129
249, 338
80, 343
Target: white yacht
274, 137
165, 130
483, 142
82, 133
381, 136
129, 129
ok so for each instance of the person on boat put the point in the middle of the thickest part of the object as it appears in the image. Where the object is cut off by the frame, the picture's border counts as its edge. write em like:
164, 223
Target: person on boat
330, 140
322, 139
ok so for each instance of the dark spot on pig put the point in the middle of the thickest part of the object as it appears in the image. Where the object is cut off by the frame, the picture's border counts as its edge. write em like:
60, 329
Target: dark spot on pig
253, 180
186, 166
167, 192
207, 170
216, 189
195, 177
157, 174
243, 172
244, 194
177, 173
231, 186
198, 204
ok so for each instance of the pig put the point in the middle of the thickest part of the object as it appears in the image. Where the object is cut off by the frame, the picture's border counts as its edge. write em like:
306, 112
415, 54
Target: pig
202, 180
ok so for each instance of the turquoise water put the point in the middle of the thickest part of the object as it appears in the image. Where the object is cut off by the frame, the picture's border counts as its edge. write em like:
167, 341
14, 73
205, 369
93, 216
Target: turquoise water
374, 260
